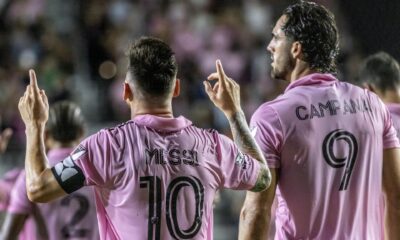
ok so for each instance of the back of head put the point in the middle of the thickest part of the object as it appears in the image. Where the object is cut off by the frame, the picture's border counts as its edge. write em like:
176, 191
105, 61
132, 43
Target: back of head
315, 28
66, 123
380, 70
152, 67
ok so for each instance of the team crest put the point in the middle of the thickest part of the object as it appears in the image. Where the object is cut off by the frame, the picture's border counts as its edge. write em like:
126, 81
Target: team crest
241, 160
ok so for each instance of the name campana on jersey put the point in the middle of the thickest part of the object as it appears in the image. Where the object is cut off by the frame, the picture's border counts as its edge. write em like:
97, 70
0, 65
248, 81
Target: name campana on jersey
332, 107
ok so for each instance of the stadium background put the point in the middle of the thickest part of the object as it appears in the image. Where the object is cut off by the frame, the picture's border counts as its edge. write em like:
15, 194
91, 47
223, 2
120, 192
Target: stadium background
78, 49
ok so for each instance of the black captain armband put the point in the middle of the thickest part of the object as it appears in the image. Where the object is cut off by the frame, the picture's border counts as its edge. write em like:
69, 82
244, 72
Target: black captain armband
68, 175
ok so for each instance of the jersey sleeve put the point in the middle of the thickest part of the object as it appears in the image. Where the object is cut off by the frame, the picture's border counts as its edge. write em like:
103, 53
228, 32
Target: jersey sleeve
267, 131
95, 162
6, 185
390, 139
237, 170
19, 202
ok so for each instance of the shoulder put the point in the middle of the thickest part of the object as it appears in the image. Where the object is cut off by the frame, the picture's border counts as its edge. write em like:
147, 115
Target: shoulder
266, 112
208, 133
115, 135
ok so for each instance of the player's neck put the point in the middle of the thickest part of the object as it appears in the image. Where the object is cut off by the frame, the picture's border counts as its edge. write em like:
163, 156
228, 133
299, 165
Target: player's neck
300, 70
391, 97
159, 110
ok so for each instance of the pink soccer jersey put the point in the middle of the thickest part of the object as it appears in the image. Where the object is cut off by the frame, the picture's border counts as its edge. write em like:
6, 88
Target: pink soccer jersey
155, 178
326, 137
6, 184
72, 217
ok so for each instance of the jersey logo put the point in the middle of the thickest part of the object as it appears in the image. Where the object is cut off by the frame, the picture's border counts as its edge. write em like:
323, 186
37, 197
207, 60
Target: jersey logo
241, 160
66, 169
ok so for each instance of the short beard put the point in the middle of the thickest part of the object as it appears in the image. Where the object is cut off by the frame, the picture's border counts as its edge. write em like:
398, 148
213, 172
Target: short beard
282, 74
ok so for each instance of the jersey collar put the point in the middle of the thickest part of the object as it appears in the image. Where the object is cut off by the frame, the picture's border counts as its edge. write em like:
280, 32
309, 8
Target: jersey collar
313, 79
162, 124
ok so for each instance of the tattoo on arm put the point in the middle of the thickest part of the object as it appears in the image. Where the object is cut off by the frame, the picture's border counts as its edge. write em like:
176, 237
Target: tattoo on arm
243, 138
247, 144
263, 180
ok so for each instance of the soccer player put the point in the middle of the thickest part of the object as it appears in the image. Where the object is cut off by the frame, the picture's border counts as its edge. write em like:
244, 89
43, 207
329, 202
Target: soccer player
330, 145
73, 216
380, 73
155, 176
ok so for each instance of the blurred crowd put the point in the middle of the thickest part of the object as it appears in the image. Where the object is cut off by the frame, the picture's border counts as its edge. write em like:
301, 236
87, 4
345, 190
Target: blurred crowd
78, 51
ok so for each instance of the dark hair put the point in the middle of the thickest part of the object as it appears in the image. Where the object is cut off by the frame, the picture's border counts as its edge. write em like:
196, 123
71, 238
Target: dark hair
381, 70
315, 28
153, 66
66, 123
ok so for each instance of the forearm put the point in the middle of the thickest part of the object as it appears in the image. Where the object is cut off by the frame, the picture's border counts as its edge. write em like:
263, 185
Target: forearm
246, 143
243, 138
255, 216
35, 158
41, 184
253, 224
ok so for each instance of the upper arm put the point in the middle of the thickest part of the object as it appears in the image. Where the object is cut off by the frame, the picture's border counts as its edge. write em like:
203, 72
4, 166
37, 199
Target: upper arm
256, 212
89, 164
391, 173
262, 201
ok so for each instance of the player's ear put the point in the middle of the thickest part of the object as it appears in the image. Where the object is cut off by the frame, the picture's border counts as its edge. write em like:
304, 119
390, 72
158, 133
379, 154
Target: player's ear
128, 93
296, 50
177, 89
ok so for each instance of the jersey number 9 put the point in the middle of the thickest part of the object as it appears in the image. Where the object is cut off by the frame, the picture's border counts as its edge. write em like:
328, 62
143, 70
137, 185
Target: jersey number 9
339, 162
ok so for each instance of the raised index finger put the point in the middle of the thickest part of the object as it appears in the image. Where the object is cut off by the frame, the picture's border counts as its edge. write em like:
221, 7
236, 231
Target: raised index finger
33, 80
221, 73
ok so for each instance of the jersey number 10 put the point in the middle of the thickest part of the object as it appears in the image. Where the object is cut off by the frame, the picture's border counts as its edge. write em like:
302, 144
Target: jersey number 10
153, 183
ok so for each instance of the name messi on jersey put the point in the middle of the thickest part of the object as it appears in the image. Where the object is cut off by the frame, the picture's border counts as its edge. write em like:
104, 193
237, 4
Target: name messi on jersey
332, 107
172, 156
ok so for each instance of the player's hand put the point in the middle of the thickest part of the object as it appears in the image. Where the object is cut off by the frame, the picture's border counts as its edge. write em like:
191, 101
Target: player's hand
5, 137
33, 106
225, 94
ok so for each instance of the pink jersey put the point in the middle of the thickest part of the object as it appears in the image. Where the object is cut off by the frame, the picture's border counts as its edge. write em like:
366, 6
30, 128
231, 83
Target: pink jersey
326, 137
155, 178
6, 185
72, 217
